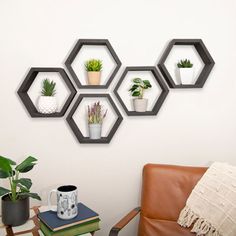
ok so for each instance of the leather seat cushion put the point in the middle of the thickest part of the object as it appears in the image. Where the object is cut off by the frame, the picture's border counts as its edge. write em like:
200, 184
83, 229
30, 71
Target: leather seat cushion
153, 227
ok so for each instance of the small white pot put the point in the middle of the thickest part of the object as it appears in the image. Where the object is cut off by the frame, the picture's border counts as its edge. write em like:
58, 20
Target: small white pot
94, 77
186, 75
47, 104
140, 104
95, 131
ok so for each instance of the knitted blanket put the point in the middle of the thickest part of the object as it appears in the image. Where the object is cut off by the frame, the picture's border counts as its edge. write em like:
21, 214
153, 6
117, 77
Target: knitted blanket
211, 207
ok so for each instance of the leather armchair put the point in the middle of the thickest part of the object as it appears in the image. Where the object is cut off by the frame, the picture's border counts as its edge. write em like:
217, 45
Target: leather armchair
165, 189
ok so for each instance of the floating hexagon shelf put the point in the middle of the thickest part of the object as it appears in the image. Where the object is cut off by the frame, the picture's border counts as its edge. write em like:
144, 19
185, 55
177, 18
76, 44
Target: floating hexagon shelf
71, 119
160, 89
29, 80
204, 55
99, 43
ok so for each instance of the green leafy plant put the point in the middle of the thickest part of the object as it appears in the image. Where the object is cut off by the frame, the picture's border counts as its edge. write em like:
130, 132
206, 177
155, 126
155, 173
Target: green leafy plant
137, 89
48, 88
93, 65
19, 187
95, 113
184, 64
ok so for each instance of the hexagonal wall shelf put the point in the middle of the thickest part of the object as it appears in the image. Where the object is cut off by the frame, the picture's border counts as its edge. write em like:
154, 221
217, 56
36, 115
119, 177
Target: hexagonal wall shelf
160, 98
76, 130
92, 42
203, 53
28, 81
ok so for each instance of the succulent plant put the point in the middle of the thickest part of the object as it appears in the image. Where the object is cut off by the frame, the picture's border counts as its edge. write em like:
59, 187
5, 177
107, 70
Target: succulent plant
139, 86
95, 113
48, 88
93, 65
184, 64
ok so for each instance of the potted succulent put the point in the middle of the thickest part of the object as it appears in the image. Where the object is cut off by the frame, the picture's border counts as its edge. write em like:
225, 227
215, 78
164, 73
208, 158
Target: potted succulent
93, 68
15, 200
185, 71
137, 90
47, 103
95, 119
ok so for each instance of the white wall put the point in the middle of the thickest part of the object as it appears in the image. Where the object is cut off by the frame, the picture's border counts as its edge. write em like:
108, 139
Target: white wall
194, 127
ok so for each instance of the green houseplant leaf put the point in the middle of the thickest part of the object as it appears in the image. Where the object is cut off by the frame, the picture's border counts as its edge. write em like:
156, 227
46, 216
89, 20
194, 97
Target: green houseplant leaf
26, 165
32, 195
3, 191
5, 164
25, 182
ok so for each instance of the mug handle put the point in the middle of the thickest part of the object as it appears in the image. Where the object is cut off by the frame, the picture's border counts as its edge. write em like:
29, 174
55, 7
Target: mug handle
49, 201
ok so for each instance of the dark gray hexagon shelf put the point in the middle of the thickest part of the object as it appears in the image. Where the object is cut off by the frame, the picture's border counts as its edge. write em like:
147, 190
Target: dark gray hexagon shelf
160, 99
94, 42
81, 138
28, 81
203, 53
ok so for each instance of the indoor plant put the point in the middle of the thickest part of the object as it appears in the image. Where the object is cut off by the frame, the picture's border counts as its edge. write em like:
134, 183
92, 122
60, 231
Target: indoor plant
137, 90
95, 119
47, 102
15, 200
185, 71
93, 68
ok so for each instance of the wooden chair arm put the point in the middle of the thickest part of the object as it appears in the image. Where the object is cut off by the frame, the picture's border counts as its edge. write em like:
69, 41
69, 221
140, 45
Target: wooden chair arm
124, 221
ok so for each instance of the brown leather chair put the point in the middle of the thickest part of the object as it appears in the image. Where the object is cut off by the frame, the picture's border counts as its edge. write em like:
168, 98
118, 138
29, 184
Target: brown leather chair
164, 193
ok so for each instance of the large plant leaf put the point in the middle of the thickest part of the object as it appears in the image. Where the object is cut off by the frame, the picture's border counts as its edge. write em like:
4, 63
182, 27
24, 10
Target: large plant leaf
11, 162
26, 165
25, 182
32, 195
5, 164
4, 174
23, 189
4, 191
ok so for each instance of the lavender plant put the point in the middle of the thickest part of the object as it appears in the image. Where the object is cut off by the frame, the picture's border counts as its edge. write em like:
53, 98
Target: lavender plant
95, 113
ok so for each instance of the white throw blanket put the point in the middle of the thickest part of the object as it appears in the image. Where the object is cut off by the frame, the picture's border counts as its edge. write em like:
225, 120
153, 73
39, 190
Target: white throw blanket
211, 207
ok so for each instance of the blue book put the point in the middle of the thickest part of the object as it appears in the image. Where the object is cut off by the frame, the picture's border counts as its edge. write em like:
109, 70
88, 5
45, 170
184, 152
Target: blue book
54, 223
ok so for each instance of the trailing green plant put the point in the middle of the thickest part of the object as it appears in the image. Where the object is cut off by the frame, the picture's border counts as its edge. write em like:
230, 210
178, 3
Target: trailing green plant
138, 87
93, 65
184, 64
48, 88
95, 113
19, 187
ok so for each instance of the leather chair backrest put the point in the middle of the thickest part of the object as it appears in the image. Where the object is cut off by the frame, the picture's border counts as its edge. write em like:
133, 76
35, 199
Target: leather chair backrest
164, 193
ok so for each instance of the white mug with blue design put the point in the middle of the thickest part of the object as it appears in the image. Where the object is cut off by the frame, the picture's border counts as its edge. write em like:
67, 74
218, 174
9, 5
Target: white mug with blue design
66, 201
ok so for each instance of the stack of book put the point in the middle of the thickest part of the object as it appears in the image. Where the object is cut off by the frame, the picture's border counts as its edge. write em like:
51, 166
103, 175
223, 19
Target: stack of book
86, 221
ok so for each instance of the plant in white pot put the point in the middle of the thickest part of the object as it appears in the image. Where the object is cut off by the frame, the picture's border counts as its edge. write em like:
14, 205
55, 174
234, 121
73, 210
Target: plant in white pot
47, 103
137, 90
185, 71
95, 120
15, 200
93, 68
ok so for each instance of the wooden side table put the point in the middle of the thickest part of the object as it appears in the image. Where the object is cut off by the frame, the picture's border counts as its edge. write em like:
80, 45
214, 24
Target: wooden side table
30, 228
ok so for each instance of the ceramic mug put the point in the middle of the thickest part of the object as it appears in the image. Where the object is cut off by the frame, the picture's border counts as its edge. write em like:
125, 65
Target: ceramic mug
66, 201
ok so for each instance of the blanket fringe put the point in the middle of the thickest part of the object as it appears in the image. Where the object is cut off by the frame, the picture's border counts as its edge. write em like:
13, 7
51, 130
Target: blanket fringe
200, 226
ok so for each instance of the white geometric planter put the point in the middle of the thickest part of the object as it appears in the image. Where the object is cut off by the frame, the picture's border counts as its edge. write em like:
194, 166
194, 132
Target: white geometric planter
47, 104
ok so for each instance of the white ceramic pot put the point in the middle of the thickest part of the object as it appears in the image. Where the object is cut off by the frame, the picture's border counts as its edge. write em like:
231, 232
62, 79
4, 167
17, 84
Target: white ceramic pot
186, 75
95, 131
94, 77
47, 104
140, 104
